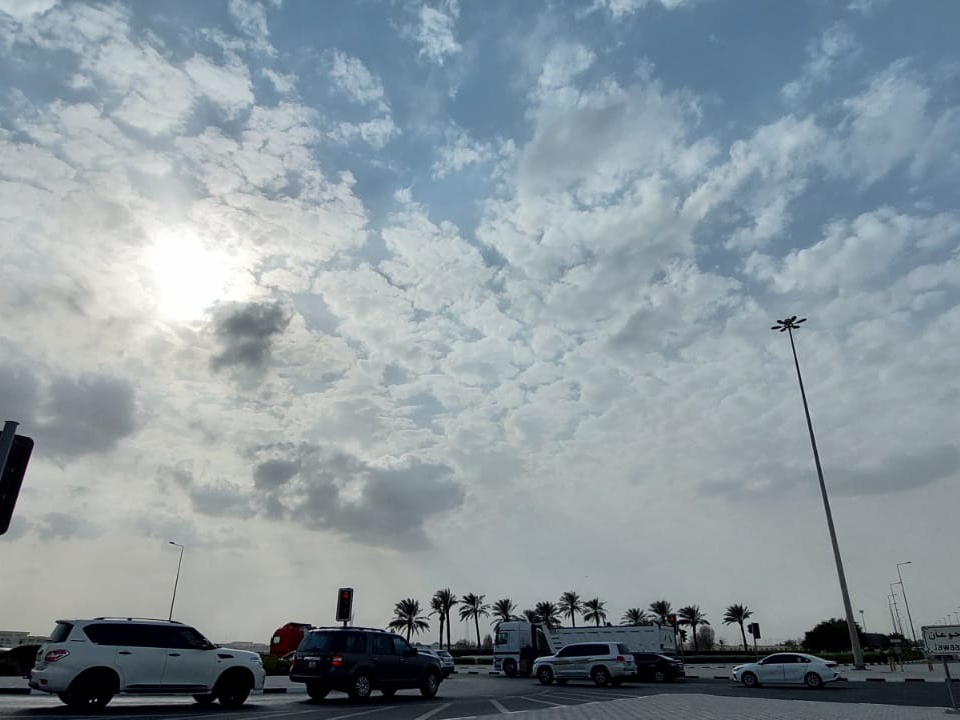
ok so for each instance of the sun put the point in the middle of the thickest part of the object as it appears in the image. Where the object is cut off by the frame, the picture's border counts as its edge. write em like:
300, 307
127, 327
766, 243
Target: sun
187, 275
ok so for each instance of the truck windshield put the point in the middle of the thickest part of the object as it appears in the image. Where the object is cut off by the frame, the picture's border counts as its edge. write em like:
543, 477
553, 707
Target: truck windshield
503, 638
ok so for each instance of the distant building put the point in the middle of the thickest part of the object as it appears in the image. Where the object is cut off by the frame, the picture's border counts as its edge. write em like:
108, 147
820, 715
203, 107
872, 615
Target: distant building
13, 638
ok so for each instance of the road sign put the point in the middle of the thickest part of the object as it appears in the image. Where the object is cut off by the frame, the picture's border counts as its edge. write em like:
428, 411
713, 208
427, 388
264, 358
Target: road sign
942, 641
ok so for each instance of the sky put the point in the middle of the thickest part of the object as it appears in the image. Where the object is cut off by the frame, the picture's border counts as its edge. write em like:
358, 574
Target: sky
403, 296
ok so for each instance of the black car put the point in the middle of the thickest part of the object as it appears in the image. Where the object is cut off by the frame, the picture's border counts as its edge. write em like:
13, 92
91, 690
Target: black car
358, 660
660, 668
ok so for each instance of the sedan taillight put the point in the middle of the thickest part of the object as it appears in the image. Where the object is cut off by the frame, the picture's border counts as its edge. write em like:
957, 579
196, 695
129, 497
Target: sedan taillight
54, 655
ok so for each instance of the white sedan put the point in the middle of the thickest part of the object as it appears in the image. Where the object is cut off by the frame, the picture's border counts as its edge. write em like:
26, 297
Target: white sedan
784, 668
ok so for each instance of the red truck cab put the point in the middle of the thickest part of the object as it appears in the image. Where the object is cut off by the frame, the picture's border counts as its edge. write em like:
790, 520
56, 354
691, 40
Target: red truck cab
286, 639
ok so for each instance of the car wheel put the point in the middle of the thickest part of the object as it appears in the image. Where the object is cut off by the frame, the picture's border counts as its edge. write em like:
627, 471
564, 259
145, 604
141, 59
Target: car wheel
204, 698
430, 684
233, 688
90, 691
545, 676
360, 688
600, 677
317, 690
812, 680
509, 668
388, 692
660, 676
749, 680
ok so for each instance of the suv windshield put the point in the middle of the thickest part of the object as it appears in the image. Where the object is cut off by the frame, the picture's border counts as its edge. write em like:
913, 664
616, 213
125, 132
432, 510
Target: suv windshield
333, 642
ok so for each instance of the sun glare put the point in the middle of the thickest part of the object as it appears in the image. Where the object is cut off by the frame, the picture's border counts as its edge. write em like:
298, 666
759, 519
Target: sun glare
187, 276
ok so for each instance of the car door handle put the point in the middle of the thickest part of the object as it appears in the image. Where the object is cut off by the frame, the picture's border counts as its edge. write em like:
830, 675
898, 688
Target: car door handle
174, 654
124, 652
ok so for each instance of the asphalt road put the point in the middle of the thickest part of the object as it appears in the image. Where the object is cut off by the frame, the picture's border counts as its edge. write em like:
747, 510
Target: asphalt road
462, 697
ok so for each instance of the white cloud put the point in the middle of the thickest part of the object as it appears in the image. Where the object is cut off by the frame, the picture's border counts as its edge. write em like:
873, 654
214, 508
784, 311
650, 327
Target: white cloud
376, 133
834, 46
353, 77
283, 84
460, 151
250, 17
435, 31
621, 8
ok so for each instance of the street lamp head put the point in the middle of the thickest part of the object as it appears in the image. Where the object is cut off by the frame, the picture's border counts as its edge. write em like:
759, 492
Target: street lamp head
907, 562
790, 323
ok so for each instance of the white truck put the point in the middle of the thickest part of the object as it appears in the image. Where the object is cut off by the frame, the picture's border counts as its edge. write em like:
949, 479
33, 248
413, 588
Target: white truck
519, 642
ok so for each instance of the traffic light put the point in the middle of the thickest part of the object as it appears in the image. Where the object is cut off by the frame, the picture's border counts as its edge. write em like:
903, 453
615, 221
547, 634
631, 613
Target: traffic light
754, 629
672, 619
11, 477
345, 605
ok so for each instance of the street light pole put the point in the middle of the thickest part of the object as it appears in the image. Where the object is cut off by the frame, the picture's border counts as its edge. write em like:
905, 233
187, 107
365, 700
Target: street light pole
177, 581
789, 325
905, 602
863, 622
896, 609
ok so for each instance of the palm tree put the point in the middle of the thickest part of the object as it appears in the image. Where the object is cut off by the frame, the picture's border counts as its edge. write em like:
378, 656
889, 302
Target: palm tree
406, 616
691, 615
548, 614
569, 605
502, 612
595, 610
634, 616
660, 610
531, 616
436, 608
737, 614
447, 600
472, 606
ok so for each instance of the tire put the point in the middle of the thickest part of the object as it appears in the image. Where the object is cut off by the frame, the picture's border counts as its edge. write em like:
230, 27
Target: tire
317, 690
388, 692
430, 684
90, 691
600, 676
360, 688
204, 698
660, 676
813, 681
750, 680
233, 688
509, 668
545, 676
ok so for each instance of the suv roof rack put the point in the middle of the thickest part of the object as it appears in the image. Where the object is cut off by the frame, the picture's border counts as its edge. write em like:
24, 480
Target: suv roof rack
351, 627
109, 617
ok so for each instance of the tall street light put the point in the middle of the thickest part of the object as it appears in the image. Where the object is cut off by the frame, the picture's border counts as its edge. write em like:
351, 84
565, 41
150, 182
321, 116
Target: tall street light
863, 622
175, 582
903, 591
789, 325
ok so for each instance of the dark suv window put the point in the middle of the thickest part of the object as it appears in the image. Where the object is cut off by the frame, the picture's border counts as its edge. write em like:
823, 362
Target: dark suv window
60, 632
132, 634
183, 638
382, 645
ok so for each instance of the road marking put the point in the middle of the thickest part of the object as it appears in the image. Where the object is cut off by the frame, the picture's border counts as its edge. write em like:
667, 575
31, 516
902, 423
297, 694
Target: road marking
499, 706
428, 714
542, 702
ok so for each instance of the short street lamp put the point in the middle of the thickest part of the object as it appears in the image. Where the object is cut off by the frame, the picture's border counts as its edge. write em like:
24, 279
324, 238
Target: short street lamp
177, 580
789, 325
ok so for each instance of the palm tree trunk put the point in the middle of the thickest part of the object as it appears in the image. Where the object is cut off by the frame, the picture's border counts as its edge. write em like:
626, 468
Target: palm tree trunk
696, 645
573, 619
441, 630
408, 633
476, 619
598, 621
448, 629
742, 633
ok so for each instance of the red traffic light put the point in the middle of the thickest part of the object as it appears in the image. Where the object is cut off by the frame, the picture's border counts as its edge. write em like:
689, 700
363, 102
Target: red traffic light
672, 619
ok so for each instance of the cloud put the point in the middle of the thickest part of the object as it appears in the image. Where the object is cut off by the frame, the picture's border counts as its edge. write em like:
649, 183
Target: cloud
271, 474
250, 18
353, 77
460, 151
434, 30
89, 414
376, 133
247, 332
621, 8
20, 391
899, 473
836, 45
65, 526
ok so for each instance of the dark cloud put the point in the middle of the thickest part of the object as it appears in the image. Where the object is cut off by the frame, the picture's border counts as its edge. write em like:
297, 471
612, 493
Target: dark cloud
19, 393
247, 331
272, 474
899, 473
222, 499
65, 526
87, 415
180, 475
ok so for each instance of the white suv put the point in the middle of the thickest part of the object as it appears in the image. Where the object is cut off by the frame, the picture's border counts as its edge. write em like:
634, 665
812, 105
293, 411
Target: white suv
606, 663
86, 662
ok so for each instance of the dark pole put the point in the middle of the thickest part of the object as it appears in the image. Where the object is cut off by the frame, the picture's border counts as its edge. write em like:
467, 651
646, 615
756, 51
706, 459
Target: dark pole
791, 324
175, 582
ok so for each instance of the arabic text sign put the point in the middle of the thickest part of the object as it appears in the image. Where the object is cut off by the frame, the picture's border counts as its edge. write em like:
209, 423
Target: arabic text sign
942, 639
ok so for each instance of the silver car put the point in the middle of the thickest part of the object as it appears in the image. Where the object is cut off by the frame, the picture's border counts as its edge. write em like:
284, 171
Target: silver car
447, 666
606, 663
787, 669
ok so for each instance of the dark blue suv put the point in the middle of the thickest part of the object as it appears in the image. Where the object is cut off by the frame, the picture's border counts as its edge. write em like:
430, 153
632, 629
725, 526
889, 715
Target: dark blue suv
358, 660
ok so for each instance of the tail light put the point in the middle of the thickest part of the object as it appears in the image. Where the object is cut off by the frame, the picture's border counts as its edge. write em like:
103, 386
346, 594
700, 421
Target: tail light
337, 661
54, 655
621, 658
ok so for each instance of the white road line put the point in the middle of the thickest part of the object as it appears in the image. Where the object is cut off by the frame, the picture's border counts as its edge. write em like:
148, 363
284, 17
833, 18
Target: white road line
542, 702
429, 713
499, 706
